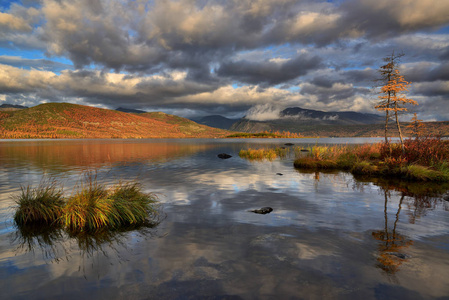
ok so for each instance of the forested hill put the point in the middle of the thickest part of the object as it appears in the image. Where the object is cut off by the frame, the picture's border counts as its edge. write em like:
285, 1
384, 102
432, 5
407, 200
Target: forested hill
64, 120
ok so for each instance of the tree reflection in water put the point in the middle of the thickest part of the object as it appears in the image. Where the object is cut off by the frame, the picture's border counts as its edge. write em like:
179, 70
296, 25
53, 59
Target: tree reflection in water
390, 255
419, 198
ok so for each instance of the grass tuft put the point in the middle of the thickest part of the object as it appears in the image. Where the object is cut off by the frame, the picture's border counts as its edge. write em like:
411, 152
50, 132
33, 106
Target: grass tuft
258, 154
40, 205
91, 208
132, 205
313, 163
88, 209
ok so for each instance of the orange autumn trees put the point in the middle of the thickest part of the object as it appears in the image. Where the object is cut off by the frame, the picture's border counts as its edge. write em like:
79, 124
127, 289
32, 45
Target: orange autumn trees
416, 126
392, 93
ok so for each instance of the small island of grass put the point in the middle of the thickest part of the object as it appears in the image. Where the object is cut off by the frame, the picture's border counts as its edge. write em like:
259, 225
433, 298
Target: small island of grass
421, 159
262, 154
92, 207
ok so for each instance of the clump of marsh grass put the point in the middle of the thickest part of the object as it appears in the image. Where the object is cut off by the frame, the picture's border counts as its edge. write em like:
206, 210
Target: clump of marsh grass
40, 205
262, 154
91, 207
311, 163
88, 209
131, 205
258, 154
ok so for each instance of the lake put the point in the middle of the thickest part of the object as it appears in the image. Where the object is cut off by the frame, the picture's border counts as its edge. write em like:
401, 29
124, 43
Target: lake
329, 236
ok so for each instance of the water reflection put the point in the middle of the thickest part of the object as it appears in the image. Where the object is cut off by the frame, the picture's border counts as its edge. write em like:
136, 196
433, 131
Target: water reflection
55, 243
329, 236
67, 155
419, 198
392, 242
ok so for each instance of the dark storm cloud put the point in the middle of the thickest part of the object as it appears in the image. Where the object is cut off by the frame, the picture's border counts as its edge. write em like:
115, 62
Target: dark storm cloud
330, 93
435, 88
269, 71
425, 71
384, 18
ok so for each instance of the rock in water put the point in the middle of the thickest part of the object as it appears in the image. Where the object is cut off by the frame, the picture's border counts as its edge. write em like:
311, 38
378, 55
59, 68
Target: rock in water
224, 156
263, 210
280, 174
288, 144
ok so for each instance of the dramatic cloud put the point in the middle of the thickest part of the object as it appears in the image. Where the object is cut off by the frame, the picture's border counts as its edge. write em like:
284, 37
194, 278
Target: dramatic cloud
272, 71
197, 57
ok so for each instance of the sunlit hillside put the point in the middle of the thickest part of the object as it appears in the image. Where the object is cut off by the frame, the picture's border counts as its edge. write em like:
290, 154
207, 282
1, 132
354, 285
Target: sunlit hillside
64, 120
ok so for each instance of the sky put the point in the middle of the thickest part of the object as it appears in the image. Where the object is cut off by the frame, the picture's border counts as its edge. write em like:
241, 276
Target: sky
229, 57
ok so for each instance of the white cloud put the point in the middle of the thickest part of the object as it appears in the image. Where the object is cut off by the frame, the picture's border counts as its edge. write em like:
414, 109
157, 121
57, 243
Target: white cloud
264, 112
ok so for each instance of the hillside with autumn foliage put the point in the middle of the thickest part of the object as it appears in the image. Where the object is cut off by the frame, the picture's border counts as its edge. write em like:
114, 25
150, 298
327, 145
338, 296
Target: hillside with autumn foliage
64, 120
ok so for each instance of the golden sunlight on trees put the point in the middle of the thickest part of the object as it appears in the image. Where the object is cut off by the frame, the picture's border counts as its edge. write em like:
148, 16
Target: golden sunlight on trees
416, 126
392, 97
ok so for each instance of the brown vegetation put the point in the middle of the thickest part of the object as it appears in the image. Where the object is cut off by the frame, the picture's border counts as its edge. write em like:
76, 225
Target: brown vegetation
425, 159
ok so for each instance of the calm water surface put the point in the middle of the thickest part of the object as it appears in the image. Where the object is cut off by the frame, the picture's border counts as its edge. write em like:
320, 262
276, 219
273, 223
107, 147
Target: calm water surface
330, 236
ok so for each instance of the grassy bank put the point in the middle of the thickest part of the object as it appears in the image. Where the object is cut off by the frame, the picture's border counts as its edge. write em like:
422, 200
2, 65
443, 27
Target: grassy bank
90, 208
425, 159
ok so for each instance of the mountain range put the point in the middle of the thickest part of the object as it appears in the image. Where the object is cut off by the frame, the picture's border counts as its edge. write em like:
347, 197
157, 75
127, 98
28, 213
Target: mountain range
65, 120
11, 107
296, 119
130, 110
216, 121
291, 119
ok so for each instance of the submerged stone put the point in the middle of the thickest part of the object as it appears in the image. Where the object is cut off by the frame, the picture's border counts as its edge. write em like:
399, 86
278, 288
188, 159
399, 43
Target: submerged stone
224, 156
263, 210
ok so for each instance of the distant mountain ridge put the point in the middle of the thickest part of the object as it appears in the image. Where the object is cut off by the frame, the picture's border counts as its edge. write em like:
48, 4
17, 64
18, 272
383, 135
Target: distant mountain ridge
344, 117
130, 110
11, 107
216, 121
296, 119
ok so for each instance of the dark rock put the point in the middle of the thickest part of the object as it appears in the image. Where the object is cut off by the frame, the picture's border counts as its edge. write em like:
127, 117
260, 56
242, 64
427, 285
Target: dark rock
263, 210
288, 144
446, 197
305, 150
280, 174
224, 156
